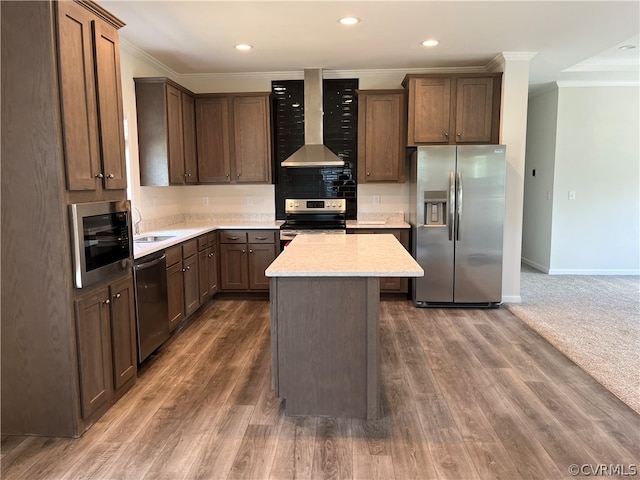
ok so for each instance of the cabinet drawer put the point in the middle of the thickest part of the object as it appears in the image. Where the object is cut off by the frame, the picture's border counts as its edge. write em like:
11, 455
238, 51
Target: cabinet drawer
174, 255
212, 239
233, 236
262, 236
189, 248
203, 242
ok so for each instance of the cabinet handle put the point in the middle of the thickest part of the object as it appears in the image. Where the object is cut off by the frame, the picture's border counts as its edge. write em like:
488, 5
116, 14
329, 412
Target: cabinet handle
107, 301
187, 174
188, 268
117, 295
227, 175
250, 251
243, 250
184, 270
368, 174
446, 135
99, 175
261, 238
459, 134
111, 175
238, 175
233, 238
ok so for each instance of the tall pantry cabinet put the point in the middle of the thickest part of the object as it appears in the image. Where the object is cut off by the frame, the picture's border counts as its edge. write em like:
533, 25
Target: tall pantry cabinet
62, 143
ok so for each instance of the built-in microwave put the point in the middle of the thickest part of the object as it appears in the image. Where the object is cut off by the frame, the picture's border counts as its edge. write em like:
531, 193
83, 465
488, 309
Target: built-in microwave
101, 239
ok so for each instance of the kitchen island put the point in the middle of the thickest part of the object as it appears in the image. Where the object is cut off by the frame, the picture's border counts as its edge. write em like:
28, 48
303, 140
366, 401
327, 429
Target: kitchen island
325, 300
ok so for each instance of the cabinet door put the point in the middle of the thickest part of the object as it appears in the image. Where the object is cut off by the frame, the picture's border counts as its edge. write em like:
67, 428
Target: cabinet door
233, 267
191, 287
175, 291
212, 136
94, 350
474, 108
251, 139
123, 332
213, 270
175, 135
189, 138
78, 97
110, 116
429, 110
260, 257
203, 270
380, 138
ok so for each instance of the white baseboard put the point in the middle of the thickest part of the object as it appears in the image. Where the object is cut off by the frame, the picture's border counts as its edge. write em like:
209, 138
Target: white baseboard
581, 271
512, 299
535, 265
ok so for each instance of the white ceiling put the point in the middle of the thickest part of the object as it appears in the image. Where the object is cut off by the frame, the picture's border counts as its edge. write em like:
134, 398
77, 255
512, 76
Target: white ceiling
573, 40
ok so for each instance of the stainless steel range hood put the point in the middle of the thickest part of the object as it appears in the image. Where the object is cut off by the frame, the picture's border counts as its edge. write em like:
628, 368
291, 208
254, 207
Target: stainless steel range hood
313, 153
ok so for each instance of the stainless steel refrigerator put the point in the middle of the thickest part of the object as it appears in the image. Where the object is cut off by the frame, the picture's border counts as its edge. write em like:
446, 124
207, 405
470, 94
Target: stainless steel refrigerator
456, 211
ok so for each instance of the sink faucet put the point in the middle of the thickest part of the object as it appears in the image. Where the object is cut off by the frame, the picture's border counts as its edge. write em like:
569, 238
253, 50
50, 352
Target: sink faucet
136, 224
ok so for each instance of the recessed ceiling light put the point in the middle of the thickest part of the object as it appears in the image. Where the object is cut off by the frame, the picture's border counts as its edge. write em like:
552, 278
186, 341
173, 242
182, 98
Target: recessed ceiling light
243, 46
626, 47
349, 20
430, 43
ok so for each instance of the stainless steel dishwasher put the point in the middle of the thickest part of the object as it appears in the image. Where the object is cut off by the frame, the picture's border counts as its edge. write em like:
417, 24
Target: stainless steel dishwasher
152, 313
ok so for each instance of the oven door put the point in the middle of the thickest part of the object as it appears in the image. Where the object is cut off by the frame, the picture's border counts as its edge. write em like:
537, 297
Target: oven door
102, 244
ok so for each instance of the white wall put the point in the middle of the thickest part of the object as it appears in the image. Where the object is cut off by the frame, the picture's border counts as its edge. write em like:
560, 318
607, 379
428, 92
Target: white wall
598, 158
538, 189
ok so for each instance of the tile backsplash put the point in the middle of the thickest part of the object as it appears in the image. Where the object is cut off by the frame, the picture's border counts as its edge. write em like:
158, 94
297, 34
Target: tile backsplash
340, 125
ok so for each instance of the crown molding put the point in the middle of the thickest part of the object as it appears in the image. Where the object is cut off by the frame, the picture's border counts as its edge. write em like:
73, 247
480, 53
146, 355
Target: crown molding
597, 83
497, 63
136, 51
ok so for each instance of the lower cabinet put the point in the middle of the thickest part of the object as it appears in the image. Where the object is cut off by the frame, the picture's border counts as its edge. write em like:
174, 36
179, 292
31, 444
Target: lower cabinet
182, 281
390, 284
244, 256
208, 266
106, 341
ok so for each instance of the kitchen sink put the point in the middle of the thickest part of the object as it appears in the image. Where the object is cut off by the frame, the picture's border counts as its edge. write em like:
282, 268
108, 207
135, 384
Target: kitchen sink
152, 238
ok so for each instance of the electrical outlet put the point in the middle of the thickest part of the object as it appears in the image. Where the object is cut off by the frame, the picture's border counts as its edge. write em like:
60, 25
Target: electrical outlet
572, 195
249, 200
376, 199
205, 201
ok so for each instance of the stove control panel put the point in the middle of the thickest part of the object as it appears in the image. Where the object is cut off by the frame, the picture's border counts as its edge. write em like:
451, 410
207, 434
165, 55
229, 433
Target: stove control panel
326, 205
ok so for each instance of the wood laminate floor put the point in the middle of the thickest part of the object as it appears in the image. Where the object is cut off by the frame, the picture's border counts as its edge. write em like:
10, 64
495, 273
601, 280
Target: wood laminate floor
467, 394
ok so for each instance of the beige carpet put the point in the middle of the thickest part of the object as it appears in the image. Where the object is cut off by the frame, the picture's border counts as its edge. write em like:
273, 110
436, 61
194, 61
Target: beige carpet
593, 320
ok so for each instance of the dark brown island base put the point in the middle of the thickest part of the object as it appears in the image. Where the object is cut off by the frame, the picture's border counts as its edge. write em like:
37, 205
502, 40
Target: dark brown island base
325, 300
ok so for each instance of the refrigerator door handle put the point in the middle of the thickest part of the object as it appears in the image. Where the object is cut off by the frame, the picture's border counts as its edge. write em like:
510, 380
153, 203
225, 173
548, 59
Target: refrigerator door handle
451, 203
458, 205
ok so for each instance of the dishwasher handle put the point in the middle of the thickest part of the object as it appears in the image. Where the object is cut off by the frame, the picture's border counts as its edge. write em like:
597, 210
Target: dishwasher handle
151, 263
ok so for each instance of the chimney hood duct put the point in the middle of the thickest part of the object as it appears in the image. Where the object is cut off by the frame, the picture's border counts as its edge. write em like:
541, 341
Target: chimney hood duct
313, 153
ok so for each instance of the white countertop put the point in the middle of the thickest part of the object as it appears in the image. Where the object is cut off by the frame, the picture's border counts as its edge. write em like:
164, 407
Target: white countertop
182, 232
379, 255
377, 224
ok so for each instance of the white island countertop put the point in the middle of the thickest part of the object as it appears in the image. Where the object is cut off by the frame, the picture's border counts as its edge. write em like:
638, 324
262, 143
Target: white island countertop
380, 255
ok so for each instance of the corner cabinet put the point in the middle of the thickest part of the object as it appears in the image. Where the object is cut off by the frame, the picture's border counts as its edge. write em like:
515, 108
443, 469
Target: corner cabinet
381, 135
91, 97
234, 138
106, 342
453, 109
166, 133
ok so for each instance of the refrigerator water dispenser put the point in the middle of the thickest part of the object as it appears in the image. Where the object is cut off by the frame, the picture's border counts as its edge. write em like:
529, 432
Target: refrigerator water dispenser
435, 207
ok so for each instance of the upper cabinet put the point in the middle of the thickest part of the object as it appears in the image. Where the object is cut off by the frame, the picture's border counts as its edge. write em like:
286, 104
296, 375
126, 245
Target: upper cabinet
234, 138
91, 98
453, 109
381, 135
166, 133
